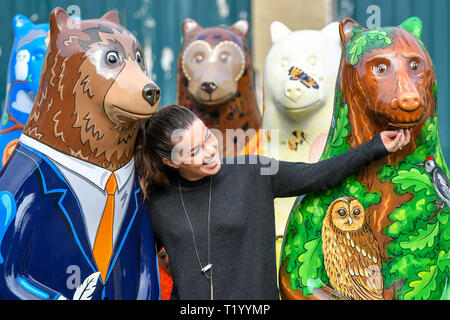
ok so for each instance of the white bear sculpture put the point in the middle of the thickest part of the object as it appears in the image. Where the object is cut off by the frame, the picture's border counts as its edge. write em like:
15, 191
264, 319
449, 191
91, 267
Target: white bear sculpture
299, 82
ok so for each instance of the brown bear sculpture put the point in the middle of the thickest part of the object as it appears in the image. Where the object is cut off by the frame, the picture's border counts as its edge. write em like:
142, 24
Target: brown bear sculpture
74, 222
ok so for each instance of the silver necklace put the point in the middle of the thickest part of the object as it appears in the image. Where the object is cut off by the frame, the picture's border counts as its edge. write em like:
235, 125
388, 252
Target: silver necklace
208, 268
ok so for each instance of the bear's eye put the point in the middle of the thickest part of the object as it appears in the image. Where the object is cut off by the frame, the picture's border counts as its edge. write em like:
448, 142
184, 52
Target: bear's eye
356, 212
381, 68
138, 57
341, 212
284, 62
312, 60
224, 57
112, 57
414, 65
38, 55
198, 57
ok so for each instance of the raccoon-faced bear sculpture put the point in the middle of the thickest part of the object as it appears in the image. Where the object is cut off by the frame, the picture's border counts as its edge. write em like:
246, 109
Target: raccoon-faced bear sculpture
215, 81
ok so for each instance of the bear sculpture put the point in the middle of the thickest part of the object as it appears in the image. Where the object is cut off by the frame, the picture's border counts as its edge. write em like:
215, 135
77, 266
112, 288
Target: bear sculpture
215, 81
74, 222
298, 107
383, 233
24, 72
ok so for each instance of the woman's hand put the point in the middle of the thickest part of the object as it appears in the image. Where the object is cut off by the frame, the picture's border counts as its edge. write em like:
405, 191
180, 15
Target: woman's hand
395, 139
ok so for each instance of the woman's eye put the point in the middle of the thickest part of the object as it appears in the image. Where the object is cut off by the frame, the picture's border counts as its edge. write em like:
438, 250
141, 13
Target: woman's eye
381, 68
112, 57
195, 152
356, 212
414, 65
341, 212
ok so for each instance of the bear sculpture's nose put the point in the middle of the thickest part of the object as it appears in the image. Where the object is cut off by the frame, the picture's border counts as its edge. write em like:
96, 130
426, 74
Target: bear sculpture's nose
209, 87
151, 93
409, 101
293, 91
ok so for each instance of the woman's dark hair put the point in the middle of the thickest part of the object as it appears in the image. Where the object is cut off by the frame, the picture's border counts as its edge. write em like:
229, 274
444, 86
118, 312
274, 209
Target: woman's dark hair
154, 143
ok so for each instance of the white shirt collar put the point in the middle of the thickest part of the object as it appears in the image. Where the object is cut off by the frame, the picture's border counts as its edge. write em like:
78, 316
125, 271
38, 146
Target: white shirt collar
97, 175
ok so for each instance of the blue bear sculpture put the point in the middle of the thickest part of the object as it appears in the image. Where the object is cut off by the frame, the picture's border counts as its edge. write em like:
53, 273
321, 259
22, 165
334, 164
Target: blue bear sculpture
24, 71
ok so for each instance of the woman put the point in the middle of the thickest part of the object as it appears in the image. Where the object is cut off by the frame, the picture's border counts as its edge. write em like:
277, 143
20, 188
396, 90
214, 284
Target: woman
216, 220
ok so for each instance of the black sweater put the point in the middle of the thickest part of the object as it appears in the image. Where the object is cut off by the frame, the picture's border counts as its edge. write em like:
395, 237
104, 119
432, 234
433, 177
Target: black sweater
242, 220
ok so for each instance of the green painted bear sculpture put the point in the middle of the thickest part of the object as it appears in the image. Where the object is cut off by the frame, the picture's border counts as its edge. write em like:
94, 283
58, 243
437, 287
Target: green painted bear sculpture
383, 233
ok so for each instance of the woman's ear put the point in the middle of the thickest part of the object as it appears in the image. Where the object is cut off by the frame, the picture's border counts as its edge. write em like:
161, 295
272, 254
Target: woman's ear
170, 163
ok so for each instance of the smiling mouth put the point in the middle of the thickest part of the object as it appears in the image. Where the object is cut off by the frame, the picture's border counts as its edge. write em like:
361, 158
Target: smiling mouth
133, 114
211, 161
215, 101
403, 124
302, 108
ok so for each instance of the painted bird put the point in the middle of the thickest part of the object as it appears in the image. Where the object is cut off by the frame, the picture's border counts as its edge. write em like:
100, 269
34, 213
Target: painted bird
351, 254
439, 180
21, 67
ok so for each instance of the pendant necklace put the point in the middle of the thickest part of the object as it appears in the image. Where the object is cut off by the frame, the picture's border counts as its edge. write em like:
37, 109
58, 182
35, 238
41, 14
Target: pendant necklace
208, 268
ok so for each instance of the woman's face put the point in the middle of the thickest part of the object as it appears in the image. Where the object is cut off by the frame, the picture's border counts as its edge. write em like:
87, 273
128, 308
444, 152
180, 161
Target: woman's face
195, 153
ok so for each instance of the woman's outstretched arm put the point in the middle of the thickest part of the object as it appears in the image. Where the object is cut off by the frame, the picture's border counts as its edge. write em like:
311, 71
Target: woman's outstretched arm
297, 178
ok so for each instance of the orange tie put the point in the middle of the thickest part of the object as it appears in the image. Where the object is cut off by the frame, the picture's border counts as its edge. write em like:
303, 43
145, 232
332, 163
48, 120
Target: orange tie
103, 245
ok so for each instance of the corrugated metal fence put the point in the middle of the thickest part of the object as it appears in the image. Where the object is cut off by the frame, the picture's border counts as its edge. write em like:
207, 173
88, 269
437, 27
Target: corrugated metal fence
435, 15
155, 23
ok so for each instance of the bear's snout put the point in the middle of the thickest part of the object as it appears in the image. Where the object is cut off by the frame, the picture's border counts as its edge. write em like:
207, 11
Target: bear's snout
151, 93
409, 101
208, 87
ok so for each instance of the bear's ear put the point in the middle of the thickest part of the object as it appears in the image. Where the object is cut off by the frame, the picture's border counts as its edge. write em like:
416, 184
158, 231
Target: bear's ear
347, 28
242, 27
413, 25
111, 16
331, 30
278, 31
190, 25
21, 25
59, 20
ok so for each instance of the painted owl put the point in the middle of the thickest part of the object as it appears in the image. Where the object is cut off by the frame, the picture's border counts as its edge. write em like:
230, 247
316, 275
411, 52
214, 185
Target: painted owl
350, 250
21, 67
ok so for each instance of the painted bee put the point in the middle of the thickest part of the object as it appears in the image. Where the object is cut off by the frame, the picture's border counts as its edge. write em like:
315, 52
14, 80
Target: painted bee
299, 138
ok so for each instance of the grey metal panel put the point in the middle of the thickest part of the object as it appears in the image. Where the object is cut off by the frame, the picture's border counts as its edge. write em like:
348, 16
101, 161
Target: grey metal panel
436, 37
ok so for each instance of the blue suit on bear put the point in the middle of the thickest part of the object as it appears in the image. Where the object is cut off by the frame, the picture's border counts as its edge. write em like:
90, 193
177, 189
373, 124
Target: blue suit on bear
44, 247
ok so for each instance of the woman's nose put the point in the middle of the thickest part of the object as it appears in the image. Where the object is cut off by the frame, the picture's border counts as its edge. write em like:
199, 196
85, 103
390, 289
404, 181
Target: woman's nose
210, 149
